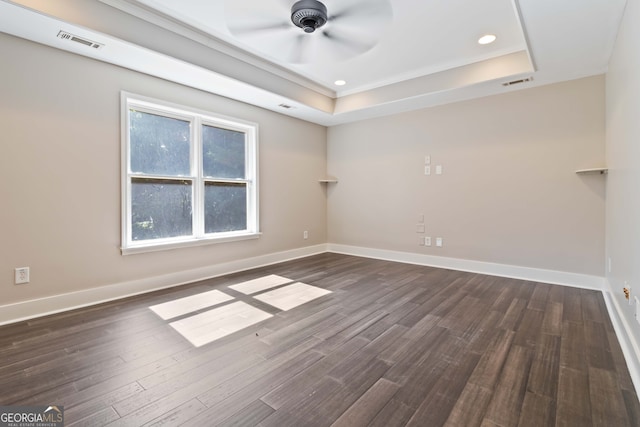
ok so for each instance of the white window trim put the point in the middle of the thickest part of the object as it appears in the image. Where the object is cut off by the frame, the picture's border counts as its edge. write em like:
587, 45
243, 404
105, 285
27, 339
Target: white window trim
197, 118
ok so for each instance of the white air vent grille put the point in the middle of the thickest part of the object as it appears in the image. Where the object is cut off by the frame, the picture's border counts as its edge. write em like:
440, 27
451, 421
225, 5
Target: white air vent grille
286, 106
89, 43
517, 82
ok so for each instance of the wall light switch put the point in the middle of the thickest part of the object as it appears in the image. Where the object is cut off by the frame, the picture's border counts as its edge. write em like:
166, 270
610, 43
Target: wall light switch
427, 241
427, 160
438, 169
427, 170
439, 242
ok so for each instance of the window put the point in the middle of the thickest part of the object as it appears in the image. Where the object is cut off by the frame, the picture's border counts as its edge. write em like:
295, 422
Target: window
188, 177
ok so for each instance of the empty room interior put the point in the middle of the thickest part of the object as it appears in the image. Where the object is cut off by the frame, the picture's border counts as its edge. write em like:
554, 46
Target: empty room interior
321, 213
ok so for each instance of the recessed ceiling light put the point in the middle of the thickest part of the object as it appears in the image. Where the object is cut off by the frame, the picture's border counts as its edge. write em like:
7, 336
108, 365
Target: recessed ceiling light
339, 83
486, 39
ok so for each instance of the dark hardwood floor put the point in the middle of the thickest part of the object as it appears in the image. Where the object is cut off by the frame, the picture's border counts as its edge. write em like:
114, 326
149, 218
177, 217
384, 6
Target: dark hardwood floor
393, 345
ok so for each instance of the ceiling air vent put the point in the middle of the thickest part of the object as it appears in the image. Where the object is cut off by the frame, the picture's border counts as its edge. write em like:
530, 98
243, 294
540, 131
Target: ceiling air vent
517, 82
68, 36
286, 106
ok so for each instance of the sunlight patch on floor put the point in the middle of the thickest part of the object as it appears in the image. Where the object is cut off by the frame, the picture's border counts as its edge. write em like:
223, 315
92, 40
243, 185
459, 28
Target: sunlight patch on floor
211, 325
208, 326
260, 284
181, 306
291, 296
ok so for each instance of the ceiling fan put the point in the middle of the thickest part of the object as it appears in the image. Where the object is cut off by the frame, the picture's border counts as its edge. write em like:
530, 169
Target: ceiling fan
308, 31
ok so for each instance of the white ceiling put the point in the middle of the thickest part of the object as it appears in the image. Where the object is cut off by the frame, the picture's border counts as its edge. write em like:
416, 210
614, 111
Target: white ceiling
424, 52
415, 39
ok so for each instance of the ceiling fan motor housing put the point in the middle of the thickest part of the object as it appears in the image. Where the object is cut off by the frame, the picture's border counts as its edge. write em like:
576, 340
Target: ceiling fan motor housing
309, 15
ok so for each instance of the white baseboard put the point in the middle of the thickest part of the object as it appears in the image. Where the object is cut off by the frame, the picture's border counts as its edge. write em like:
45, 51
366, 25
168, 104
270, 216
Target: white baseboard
628, 342
525, 273
25, 310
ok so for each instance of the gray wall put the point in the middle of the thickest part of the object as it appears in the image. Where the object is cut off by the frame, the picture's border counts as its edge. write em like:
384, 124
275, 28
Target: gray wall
623, 160
508, 193
60, 175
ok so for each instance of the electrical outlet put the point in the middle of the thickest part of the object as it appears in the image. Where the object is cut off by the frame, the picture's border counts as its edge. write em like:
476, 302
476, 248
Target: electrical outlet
427, 241
627, 292
22, 275
305, 234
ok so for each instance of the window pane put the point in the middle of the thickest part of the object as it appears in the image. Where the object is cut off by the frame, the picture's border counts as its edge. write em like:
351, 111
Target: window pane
159, 145
223, 152
225, 207
160, 208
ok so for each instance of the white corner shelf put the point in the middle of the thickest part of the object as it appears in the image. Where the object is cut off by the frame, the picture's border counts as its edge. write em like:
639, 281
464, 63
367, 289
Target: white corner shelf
599, 171
328, 180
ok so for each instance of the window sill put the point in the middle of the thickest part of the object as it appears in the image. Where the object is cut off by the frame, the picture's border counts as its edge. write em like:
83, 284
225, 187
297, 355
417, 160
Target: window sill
155, 247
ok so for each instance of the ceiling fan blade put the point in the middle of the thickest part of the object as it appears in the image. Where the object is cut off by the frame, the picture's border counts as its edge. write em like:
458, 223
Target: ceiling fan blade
248, 28
298, 50
352, 43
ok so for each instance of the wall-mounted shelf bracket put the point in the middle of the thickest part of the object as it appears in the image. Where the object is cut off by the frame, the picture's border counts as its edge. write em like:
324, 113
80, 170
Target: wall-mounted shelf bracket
328, 180
599, 171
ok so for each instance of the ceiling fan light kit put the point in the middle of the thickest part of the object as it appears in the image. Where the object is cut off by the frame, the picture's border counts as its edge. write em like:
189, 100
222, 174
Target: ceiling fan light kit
308, 15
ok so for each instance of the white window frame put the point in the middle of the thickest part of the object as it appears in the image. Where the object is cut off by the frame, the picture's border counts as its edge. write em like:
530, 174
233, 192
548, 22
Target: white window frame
197, 119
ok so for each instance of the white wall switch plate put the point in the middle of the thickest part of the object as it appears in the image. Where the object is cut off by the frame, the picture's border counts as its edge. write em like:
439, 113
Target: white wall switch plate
438, 169
427, 241
427, 170
427, 160
439, 242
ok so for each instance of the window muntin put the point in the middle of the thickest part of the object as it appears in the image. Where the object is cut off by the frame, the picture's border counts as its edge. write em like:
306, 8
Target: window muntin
188, 176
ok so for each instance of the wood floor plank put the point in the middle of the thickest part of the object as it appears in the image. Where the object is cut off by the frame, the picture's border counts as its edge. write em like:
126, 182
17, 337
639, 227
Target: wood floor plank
439, 402
235, 404
252, 415
573, 403
505, 405
490, 365
470, 407
597, 343
545, 368
368, 405
609, 412
178, 415
303, 383
573, 347
537, 411
552, 321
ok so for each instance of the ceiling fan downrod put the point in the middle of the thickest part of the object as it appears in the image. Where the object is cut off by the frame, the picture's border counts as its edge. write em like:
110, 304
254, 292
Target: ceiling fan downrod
308, 15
